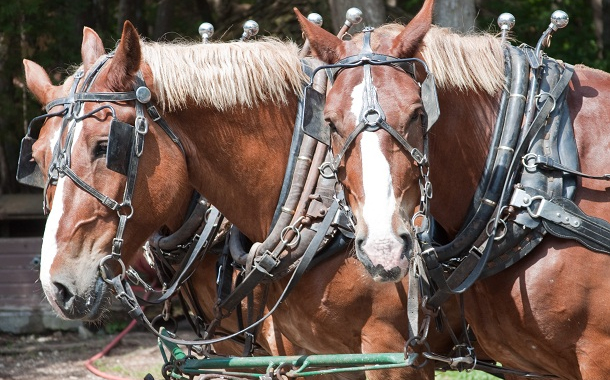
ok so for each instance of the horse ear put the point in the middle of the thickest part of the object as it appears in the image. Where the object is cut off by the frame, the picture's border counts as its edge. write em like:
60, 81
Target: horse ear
91, 49
126, 62
406, 43
324, 45
38, 81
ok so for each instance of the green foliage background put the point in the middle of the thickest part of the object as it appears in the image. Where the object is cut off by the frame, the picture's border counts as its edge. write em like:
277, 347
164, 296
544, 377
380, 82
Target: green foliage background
50, 33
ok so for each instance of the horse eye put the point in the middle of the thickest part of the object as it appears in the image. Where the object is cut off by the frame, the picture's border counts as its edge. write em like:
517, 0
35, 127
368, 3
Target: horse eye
100, 149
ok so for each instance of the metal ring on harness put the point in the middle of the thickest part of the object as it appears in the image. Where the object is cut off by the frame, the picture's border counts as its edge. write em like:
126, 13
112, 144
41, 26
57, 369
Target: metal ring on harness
529, 157
326, 170
503, 231
297, 234
127, 207
539, 96
424, 221
103, 273
417, 341
373, 118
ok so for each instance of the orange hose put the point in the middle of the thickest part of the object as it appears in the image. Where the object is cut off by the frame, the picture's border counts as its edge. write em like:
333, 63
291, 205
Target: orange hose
109, 346
89, 363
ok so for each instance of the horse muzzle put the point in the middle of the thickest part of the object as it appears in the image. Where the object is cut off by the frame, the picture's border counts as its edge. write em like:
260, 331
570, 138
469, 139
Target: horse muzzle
72, 303
385, 258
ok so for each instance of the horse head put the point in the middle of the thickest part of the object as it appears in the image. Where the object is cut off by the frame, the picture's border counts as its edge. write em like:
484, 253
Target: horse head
380, 168
88, 202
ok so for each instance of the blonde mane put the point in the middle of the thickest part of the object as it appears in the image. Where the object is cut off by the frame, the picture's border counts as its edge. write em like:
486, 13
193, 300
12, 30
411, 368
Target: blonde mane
223, 75
471, 62
462, 62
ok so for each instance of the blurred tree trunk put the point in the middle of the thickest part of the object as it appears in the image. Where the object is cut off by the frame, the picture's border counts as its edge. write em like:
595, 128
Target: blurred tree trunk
605, 28
458, 15
4, 83
598, 24
126, 11
163, 18
132, 10
222, 8
205, 11
373, 13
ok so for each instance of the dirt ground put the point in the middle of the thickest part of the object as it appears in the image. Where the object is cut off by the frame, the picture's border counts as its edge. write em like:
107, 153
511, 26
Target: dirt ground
62, 355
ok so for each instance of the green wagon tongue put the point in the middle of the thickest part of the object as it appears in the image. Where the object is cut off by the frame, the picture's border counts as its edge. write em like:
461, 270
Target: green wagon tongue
182, 366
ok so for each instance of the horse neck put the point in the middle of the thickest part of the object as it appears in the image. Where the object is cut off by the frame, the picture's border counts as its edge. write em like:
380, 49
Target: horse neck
237, 159
459, 143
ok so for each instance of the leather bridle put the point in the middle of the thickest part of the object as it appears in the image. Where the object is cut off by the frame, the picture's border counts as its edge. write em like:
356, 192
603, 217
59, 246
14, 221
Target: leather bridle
72, 114
372, 117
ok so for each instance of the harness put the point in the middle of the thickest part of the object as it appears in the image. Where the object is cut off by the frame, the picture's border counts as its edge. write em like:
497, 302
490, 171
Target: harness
120, 157
308, 227
525, 191
372, 117
306, 219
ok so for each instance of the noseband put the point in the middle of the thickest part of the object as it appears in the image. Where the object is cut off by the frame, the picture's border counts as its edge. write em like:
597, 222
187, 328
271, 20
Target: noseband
372, 117
123, 160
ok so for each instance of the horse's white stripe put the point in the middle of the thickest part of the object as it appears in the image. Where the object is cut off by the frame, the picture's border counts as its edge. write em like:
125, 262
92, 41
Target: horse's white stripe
357, 94
379, 200
49, 240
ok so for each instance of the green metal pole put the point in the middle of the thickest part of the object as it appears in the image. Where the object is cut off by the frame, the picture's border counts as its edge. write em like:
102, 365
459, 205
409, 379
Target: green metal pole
296, 365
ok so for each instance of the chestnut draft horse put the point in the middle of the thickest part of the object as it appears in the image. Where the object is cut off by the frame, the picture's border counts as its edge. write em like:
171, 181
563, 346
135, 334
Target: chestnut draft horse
548, 312
232, 107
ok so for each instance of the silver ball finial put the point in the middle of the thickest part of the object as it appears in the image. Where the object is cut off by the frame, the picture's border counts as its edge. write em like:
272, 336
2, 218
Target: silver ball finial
353, 16
250, 29
206, 30
506, 21
315, 18
559, 19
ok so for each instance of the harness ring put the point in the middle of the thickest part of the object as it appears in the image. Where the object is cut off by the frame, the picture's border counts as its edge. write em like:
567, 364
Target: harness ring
125, 206
528, 157
503, 230
295, 230
103, 273
539, 96
417, 341
326, 170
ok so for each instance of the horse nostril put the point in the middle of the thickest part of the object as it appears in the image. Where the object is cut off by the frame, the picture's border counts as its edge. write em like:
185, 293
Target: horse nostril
407, 241
63, 294
406, 238
359, 242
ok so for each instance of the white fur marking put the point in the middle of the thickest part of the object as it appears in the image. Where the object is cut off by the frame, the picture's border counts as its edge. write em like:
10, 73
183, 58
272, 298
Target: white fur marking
357, 94
49, 240
379, 200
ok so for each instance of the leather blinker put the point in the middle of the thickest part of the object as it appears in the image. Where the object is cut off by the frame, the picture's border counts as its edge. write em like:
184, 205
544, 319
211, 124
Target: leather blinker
120, 142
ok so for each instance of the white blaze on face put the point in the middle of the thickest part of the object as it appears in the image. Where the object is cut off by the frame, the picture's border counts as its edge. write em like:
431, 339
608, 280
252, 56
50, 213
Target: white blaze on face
381, 244
49, 240
379, 200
